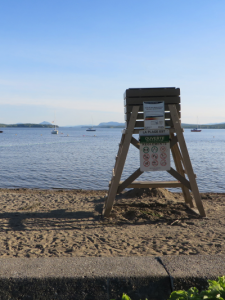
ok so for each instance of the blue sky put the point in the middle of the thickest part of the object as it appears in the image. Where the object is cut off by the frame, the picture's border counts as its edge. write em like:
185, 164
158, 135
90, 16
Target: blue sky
76, 58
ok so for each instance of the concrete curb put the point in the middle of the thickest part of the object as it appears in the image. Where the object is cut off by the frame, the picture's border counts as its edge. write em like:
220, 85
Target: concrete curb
188, 271
105, 278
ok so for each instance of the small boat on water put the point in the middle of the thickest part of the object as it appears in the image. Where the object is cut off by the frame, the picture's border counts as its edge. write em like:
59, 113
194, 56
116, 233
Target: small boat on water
90, 129
1, 131
196, 130
54, 131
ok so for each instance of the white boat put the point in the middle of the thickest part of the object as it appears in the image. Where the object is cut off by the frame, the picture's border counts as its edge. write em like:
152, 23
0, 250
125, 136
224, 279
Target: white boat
54, 131
196, 129
90, 129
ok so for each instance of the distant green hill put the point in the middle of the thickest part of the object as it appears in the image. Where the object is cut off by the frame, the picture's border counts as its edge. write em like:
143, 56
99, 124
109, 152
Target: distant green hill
45, 123
27, 125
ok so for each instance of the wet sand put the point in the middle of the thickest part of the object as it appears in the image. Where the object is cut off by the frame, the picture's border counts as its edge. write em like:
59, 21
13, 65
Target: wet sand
57, 223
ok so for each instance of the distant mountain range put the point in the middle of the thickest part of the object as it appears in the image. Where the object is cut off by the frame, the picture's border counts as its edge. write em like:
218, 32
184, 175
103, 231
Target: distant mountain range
102, 125
111, 124
45, 123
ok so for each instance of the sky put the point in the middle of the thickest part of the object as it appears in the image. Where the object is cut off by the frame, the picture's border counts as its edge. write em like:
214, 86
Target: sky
71, 61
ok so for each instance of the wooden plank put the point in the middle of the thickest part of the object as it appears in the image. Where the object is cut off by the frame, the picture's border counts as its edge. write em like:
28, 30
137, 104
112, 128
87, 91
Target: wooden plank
179, 155
179, 177
120, 164
119, 150
178, 163
136, 131
139, 101
153, 184
187, 160
194, 210
129, 180
173, 141
177, 152
149, 92
128, 108
135, 143
140, 116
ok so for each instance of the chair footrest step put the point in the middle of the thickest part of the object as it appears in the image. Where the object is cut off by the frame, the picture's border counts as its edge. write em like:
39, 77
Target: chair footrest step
153, 184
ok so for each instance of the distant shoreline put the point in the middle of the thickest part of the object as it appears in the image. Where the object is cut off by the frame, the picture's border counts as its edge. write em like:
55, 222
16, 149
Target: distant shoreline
27, 125
30, 125
191, 126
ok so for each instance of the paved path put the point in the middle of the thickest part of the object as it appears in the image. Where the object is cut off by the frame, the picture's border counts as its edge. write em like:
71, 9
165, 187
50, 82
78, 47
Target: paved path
105, 278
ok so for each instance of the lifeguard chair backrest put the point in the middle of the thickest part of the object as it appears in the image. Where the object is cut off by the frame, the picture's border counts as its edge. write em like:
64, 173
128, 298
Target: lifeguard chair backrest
134, 97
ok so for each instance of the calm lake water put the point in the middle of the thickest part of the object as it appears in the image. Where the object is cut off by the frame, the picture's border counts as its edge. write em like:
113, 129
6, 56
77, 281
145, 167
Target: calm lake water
77, 159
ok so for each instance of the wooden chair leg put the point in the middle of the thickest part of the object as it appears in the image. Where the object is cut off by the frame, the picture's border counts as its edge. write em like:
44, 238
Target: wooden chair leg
186, 158
178, 164
120, 163
119, 152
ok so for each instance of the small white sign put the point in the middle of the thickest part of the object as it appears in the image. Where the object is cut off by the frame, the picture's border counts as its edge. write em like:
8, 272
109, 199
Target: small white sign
154, 150
148, 132
154, 115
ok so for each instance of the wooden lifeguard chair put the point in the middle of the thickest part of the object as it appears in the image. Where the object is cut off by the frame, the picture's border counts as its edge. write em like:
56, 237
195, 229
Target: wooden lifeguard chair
134, 116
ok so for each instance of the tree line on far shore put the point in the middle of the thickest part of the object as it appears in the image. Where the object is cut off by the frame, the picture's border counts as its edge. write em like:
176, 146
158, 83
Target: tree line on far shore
29, 125
214, 126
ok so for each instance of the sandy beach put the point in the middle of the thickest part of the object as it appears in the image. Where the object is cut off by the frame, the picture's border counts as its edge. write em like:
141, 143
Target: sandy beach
57, 223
